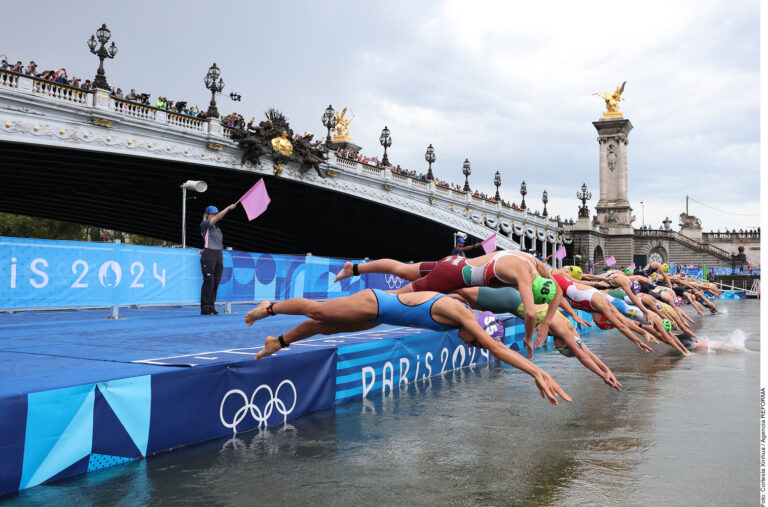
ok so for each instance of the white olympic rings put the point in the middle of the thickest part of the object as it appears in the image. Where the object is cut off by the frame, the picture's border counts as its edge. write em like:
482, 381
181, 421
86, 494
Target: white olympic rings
393, 281
258, 415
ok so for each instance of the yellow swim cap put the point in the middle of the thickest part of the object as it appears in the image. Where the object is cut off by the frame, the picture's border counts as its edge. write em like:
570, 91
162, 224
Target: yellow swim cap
665, 267
575, 272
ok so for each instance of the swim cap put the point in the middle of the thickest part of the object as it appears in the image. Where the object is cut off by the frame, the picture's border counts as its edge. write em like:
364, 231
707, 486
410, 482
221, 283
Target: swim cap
575, 272
628, 271
634, 286
491, 325
602, 321
667, 325
665, 267
211, 209
678, 301
543, 290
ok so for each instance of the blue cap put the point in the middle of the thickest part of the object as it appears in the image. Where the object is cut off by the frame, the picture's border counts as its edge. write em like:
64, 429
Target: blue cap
460, 240
211, 209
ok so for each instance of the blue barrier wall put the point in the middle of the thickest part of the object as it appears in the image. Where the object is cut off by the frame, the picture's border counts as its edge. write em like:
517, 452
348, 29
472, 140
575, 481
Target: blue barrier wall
36, 273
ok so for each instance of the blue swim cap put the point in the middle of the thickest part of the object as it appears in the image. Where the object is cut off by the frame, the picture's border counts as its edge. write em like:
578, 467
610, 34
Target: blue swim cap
211, 209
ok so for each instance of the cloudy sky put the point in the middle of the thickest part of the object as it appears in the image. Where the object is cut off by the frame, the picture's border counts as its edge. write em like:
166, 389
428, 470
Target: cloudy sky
506, 84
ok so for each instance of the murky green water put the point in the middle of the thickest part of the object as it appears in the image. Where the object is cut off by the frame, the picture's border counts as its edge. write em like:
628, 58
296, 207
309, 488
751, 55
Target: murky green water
683, 432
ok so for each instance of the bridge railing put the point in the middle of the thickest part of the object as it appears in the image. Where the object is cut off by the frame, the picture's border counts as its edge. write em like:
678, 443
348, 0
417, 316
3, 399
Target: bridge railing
49, 90
458, 200
9, 79
731, 235
702, 247
59, 91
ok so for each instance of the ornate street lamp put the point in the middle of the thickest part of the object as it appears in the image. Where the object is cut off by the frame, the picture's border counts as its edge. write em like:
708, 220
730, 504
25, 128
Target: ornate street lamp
197, 186
545, 200
386, 142
584, 196
429, 156
497, 182
523, 192
102, 34
329, 122
210, 82
467, 171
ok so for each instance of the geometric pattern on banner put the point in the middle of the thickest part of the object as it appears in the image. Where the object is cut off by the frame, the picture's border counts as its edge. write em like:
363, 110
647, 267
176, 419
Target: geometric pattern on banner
59, 432
99, 461
131, 401
77, 468
109, 436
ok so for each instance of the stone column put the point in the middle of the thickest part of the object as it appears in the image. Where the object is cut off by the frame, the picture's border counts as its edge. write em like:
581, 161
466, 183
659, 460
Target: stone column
613, 210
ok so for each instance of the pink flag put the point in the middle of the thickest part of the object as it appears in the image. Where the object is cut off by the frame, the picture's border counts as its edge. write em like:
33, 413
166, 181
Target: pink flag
255, 201
560, 254
631, 266
610, 261
489, 245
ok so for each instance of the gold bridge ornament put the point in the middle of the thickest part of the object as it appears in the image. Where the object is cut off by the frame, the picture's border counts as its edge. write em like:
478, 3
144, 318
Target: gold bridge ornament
342, 126
282, 144
103, 122
612, 102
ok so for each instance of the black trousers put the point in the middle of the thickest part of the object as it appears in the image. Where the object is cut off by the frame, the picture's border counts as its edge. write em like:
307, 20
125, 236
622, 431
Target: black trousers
212, 264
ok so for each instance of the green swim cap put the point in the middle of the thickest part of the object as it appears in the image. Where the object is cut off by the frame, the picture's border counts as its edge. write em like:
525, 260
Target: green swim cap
667, 325
543, 290
628, 271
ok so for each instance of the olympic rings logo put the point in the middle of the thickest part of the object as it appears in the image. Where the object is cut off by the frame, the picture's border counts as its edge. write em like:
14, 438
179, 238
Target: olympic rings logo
259, 415
393, 282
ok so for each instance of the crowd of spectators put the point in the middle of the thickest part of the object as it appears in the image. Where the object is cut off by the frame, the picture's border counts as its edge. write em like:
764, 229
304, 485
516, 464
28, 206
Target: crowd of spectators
61, 77
234, 120
55, 76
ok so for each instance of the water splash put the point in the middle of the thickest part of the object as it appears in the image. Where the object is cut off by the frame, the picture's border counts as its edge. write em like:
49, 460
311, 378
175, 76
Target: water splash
732, 342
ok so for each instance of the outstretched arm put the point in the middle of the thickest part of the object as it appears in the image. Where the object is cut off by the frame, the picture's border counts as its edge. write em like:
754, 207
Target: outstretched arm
470, 330
223, 212
543, 328
565, 305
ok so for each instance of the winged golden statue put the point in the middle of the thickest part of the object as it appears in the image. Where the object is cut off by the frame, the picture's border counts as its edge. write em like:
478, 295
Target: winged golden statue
612, 101
342, 126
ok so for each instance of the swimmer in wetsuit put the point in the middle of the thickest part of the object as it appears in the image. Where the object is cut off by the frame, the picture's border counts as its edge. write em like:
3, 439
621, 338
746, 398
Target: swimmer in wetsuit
371, 307
508, 300
497, 269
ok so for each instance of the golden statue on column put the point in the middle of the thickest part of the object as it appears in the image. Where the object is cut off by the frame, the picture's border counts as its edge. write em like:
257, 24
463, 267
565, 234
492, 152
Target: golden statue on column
612, 102
342, 126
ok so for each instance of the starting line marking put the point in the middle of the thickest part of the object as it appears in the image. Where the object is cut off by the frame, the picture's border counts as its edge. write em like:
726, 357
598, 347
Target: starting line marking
213, 355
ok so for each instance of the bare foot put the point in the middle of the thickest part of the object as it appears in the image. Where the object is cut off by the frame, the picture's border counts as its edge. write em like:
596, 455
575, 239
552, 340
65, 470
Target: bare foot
257, 313
271, 345
345, 272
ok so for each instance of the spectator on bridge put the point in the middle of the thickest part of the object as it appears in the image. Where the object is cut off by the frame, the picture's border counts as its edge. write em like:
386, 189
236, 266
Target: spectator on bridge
31, 68
211, 257
133, 95
19, 67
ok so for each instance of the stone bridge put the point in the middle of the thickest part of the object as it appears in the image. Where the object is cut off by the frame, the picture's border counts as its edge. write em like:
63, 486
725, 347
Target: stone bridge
86, 157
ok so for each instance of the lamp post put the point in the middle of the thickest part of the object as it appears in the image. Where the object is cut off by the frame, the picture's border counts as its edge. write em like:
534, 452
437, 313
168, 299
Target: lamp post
523, 192
102, 34
197, 186
467, 171
584, 195
429, 156
210, 82
497, 182
386, 142
642, 205
329, 122
545, 200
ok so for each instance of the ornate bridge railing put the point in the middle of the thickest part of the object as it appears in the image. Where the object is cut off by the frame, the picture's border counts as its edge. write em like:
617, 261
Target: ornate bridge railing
732, 235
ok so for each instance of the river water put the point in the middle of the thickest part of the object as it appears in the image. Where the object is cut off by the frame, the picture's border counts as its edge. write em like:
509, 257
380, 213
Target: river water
683, 432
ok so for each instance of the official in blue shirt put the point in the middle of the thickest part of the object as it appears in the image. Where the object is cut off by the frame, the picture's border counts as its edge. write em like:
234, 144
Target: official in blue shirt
211, 257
